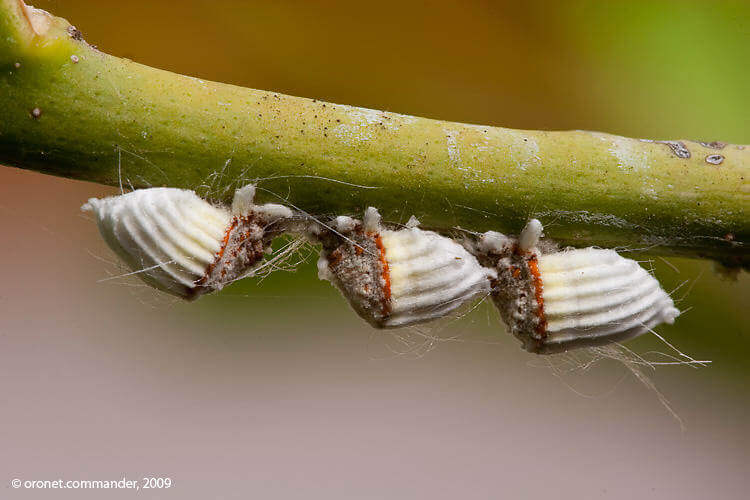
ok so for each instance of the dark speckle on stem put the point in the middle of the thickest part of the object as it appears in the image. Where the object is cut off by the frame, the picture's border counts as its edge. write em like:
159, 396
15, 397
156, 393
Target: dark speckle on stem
75, 33
714, 159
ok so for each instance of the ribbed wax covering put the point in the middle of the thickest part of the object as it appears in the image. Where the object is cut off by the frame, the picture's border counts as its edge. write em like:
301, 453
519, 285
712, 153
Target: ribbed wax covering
430, 275
594, 296
168, 236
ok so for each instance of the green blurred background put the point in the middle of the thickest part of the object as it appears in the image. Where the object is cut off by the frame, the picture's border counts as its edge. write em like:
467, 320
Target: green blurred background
276, 389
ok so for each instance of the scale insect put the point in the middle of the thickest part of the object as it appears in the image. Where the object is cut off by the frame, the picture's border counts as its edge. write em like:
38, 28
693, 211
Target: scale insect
183, 245
555, 301
401, 277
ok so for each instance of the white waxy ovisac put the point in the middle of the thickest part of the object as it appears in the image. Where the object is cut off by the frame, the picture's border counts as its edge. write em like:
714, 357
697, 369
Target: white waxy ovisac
430, 275
593, 295
168, 236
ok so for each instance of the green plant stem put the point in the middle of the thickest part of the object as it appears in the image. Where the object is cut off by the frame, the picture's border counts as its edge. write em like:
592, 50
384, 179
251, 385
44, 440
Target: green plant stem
112, 121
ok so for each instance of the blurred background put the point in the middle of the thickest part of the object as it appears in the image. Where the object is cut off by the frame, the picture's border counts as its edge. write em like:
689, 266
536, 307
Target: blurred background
275, 389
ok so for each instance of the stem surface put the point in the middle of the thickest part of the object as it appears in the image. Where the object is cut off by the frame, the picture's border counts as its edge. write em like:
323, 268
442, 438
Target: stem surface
72, 111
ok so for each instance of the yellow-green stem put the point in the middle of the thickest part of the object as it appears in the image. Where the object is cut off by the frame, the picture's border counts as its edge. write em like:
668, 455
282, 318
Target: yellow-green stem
67, 109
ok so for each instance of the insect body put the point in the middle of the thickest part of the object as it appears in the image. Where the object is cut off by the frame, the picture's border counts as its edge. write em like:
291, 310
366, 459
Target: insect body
180, 243
562, 300
399, 277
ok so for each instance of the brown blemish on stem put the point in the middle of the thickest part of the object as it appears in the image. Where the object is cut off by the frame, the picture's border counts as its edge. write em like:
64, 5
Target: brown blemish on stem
678, 148
714, 159
75, 33
713, 144
36, 113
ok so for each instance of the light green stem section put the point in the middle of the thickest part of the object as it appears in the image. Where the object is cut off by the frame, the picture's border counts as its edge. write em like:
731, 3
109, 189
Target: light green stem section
110, 120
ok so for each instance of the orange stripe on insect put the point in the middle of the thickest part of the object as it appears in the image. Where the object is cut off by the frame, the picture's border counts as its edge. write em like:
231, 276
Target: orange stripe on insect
386, 275
541, 328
